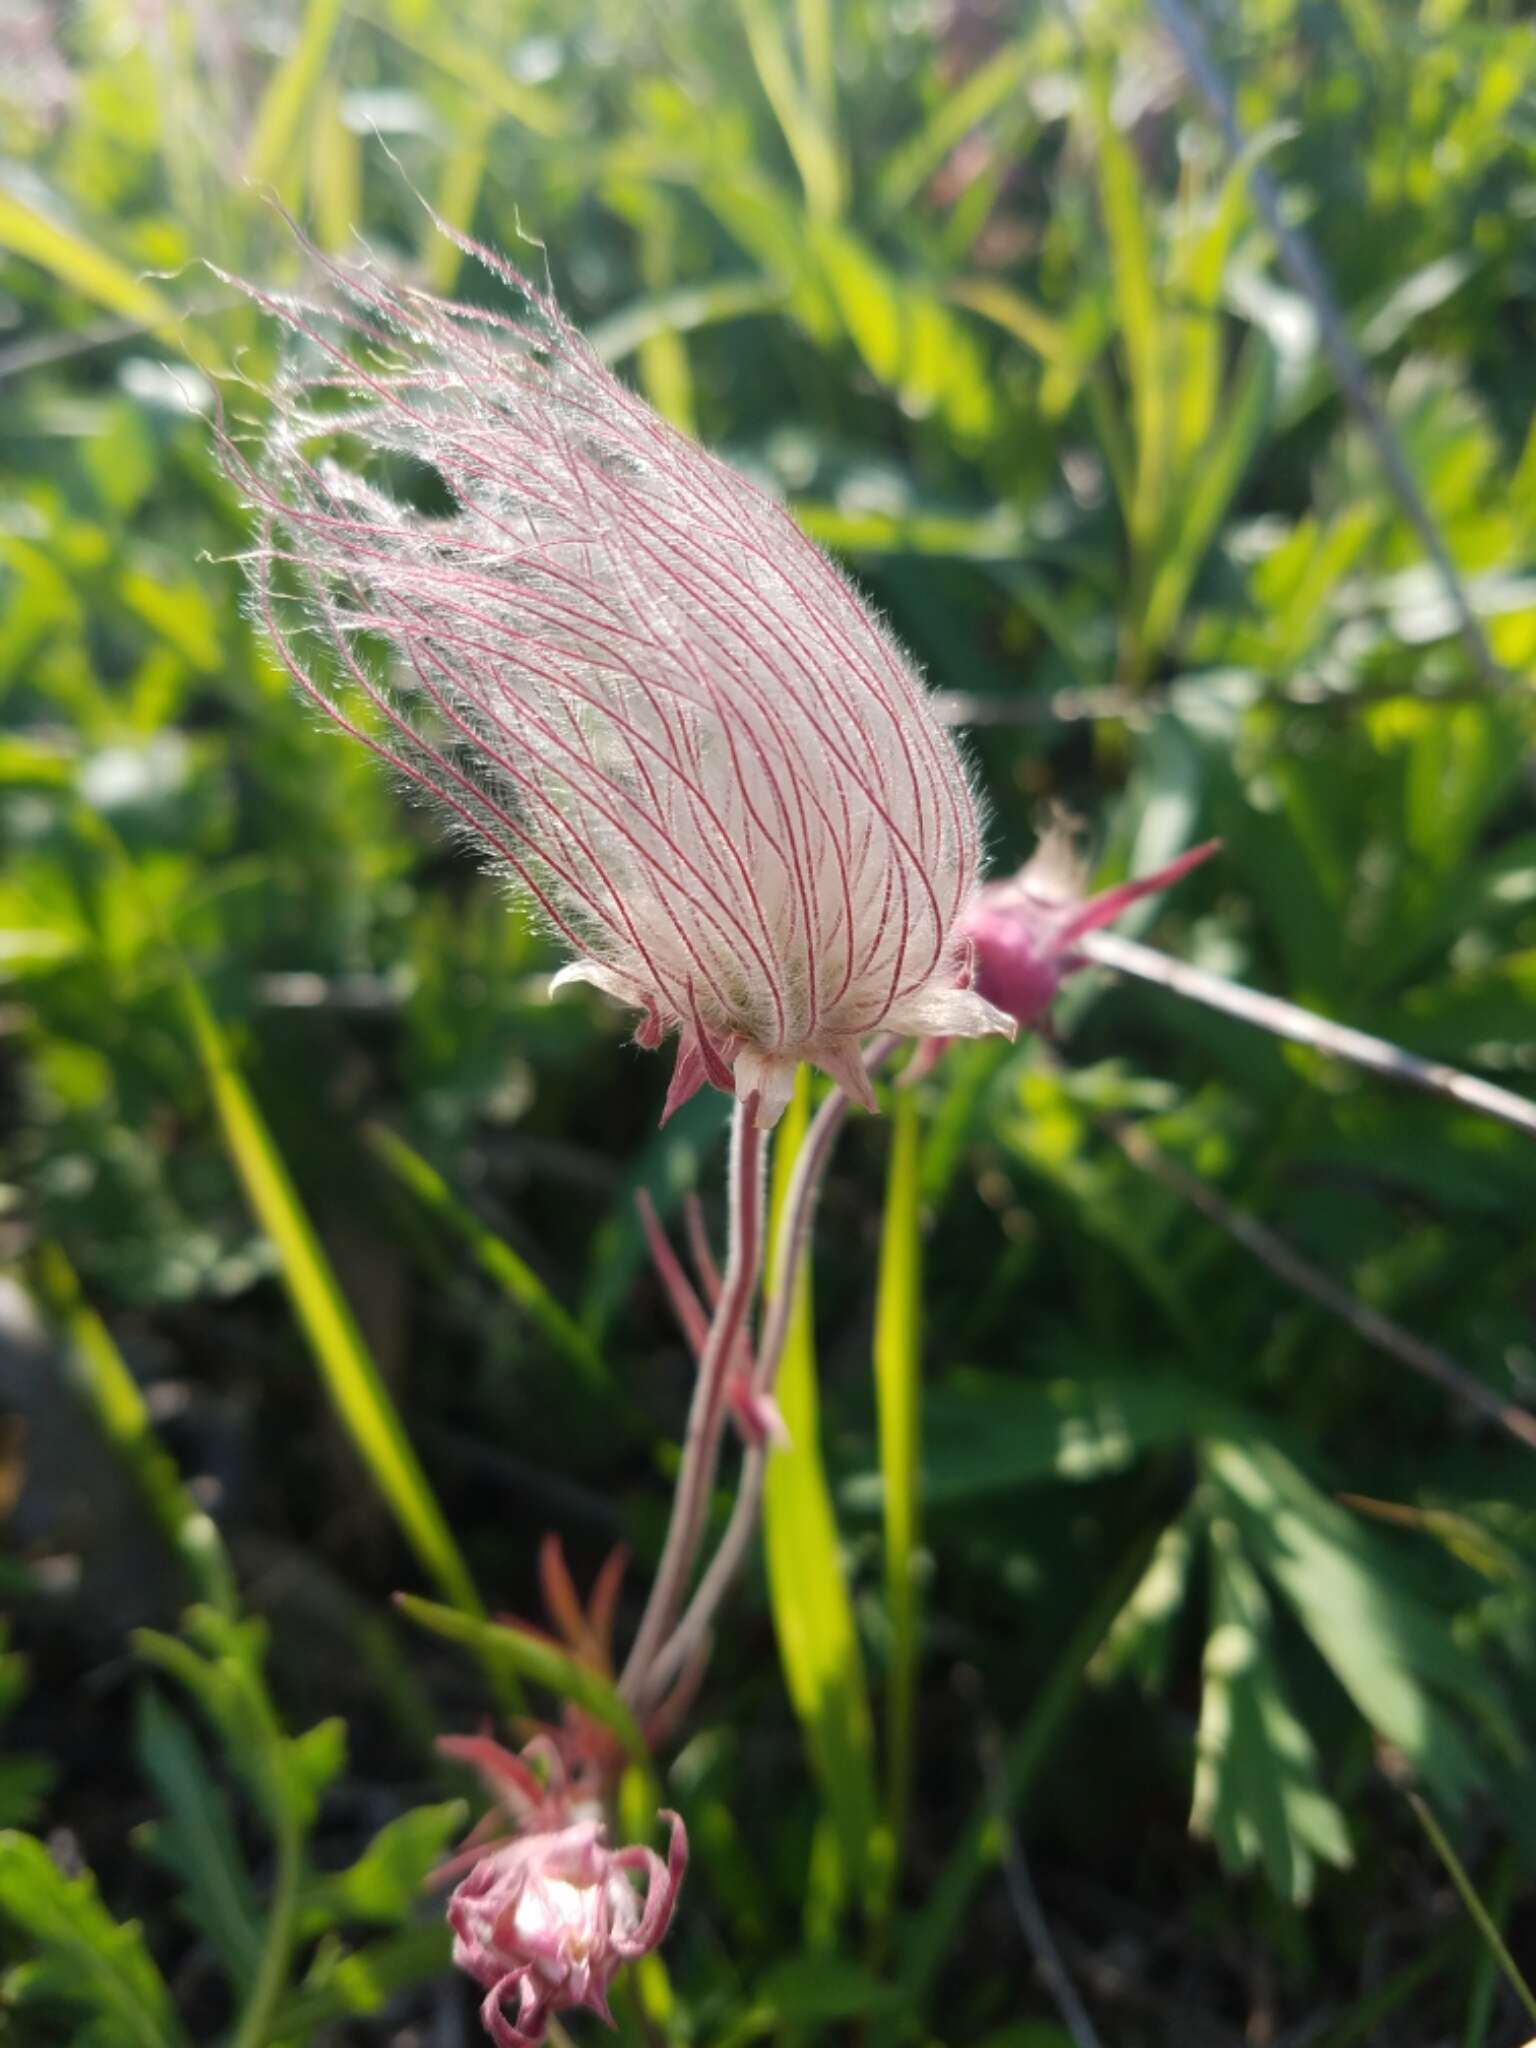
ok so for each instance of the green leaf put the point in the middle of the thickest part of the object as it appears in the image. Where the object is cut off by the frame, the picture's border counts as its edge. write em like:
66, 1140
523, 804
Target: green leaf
807, 126
197, 1841
1139, 322
81, 267
1141, 1640
384, 1885
342, 1982
907, 337
807, 1584
272, 156
87, 1960
531, 1657
1257, 1794
96, 1370
220, 1663
821, 1990
683, 310
1390, 1650
959, 109
1200, 506
496, 1258
984, 1435
351, 1377
898, 1390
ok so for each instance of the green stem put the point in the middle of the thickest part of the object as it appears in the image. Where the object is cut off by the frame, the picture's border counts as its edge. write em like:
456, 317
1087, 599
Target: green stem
1482, 1919
271, 1981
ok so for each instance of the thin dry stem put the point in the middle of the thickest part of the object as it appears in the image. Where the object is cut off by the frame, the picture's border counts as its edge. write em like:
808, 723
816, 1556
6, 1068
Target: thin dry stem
1287, 1264
1305, 1027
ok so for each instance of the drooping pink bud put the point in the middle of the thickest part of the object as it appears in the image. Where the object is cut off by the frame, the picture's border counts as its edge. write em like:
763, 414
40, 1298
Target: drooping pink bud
1024, 931
623, 671
544, 1922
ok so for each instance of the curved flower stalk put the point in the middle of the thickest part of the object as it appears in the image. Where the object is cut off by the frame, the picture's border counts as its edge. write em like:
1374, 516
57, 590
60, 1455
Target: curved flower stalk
624, 672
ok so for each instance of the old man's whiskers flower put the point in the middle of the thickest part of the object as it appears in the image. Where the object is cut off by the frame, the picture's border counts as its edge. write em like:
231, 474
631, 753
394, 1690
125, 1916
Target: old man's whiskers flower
630, 680
626, 673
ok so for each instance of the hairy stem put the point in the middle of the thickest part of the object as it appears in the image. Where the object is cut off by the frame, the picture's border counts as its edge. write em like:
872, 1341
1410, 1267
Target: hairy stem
701, 1444
790, 1242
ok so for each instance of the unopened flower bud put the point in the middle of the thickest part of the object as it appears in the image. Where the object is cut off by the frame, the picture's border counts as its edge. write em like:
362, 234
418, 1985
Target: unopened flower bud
1024, 932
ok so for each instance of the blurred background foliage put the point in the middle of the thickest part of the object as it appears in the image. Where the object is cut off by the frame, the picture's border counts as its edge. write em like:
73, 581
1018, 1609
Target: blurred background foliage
325, 1277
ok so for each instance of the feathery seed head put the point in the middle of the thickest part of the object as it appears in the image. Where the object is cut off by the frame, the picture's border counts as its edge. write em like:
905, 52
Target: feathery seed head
625, 672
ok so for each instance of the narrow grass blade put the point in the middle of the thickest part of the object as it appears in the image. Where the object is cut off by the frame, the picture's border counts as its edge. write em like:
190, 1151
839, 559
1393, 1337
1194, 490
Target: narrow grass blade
271, 158
352, 1378
464, 59
96, 1368
1124, 201
1485, 1971
818, 55
495, 1257
957, 113
898, 1391
683, 310
1201, 508
535, 1659
1016, 315
335, 174
807, 1589
1482, 1919
811, 140
81, 267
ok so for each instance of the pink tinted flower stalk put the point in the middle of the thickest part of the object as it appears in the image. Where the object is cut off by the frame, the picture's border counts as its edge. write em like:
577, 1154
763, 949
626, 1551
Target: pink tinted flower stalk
623, 672
706, 1416
689, 1639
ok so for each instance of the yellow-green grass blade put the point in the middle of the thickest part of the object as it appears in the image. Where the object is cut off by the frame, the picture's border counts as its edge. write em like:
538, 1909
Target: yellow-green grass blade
535, 1659
807, 130
352, 1379
495, 1257
95, 1367
807, 1589
96, 275
271, 156
1126, 207
898, 1390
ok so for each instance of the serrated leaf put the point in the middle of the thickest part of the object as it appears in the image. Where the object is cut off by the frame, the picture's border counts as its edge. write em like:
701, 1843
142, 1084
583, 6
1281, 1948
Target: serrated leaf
341, 1981
1257, 1793
220, 1662
197, 1841
87, 1961
1140, 1639
983, 1434
1392, 1652
384, 1885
